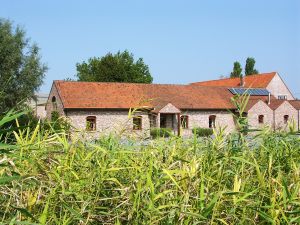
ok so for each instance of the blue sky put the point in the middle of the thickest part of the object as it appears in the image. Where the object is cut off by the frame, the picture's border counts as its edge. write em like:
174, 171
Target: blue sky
181, 41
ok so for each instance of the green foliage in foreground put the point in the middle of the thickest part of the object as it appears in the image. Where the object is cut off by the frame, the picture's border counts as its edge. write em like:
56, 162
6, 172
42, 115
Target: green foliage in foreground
202, 132
160, 132
48, 179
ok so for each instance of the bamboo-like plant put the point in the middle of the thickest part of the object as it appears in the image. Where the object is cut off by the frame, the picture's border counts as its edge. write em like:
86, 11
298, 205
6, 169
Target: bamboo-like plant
168, 181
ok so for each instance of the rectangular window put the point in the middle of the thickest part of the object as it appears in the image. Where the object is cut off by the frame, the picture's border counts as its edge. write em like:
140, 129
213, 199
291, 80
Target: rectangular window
137, 123
261, 119
212, 121
163, 121
282, 97
184, 121
286, 119
91, 123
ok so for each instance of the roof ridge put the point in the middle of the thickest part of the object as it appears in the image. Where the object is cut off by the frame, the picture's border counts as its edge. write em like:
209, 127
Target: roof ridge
142, 84
74, 81
232, 78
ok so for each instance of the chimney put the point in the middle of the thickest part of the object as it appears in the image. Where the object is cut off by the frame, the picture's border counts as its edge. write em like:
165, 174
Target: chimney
269, 99
242, 81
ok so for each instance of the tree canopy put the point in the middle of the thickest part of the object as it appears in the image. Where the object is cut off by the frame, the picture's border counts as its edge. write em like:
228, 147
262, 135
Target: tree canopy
237, 70
21, 70
249, 68
119, 67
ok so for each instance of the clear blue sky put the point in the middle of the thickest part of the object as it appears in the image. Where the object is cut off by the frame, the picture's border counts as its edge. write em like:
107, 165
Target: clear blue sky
181, 41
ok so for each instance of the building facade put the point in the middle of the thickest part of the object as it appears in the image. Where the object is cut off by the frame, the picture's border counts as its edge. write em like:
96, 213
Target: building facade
133, 109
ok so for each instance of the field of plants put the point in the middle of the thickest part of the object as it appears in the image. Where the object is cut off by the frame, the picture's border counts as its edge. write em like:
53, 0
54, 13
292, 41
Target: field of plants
47, 179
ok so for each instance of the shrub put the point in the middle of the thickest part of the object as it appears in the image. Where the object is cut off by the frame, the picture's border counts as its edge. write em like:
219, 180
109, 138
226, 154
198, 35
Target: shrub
202, 132
58, 124
160, 132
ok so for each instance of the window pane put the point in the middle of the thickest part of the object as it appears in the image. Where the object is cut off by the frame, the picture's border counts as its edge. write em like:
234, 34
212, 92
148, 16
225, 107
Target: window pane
91, 123
212, 121
184, 121
286, 119
137, 123
261, 119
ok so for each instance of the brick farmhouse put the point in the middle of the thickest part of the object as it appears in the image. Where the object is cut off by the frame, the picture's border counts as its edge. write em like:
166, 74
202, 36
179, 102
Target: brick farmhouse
102, 107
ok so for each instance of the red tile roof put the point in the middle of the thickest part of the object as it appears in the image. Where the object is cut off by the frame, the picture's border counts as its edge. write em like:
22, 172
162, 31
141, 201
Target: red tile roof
91, 95
276, 103
295, 104
253, 81
255, 99
251, 103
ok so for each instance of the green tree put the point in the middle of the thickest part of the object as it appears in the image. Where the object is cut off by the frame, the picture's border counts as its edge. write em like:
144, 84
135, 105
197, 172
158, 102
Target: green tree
249, 68
21, 70
237, 70
119, 67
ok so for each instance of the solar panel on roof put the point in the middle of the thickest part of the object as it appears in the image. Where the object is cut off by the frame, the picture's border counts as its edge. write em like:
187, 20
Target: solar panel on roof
250, 91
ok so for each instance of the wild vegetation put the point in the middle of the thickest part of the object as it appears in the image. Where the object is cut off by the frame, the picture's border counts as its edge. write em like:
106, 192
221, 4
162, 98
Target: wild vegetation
21, 67
161, 132
202, 132
47, 179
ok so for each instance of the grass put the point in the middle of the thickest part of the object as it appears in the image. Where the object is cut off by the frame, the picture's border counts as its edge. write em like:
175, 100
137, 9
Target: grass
46, 179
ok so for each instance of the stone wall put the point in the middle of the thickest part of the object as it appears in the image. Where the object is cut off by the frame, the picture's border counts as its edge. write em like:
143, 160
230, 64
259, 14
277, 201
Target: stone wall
109, 121
200, 118
285, 109
50, 107
278, 87
117, 121
40, 111
298, 120
260, 108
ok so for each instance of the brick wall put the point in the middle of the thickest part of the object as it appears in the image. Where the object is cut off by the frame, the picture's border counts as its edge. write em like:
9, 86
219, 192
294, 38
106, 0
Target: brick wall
260, 108
41, 112
278, 87
117, 121
200, 118
109, 121
298, 120
50, 107
285, 109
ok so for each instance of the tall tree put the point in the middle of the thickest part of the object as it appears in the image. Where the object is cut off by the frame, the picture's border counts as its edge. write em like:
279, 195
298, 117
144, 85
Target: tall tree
237, 70
249, 68
21, 70
119, 67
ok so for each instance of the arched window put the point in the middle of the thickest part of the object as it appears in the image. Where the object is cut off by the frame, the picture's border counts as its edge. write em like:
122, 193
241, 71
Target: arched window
261, 119
184, 121
212, 121
54, 104
137, 123
285, 119
91, 123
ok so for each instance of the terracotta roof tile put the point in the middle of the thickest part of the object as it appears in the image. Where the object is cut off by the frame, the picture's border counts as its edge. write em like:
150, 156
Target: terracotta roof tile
251, 103
295, 104
128, 95
252, 81
276, 103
